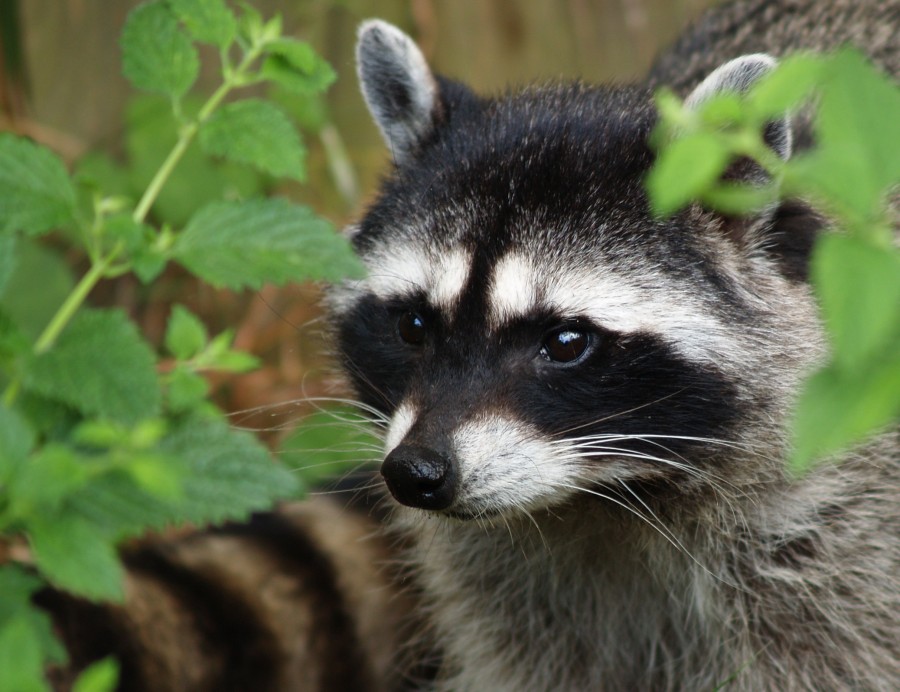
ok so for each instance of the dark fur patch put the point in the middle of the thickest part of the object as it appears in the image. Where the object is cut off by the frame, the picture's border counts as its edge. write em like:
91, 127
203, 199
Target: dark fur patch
334, 642
235, 634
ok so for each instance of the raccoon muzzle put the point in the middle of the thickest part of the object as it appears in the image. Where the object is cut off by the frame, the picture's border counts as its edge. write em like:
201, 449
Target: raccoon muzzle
420, 477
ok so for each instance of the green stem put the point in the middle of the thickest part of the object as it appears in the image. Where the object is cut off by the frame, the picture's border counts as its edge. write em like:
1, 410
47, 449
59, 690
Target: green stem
62, 317
71, 304
188, 133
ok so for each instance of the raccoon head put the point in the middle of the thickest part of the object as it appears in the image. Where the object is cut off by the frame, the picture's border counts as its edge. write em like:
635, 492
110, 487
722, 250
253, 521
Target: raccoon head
532, 333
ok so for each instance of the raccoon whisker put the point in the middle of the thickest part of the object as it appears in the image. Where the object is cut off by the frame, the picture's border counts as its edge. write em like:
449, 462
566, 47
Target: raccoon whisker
339, 491
627, 506
649, 438
602, 451
618, 414
675, 538
656, 524
353, 369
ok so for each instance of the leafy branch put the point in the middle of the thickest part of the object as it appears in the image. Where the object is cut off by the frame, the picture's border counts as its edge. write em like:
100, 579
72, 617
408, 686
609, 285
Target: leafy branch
851, 173
99, 439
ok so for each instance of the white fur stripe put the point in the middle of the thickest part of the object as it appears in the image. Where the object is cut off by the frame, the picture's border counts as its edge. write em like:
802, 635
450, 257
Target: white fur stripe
403, 272
403, 420
520, 286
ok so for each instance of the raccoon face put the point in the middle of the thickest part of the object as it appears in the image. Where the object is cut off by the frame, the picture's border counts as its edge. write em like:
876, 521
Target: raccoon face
531, 331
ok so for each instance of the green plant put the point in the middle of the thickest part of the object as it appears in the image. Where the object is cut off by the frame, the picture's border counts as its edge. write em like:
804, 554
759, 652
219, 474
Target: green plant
100, 437
850, 173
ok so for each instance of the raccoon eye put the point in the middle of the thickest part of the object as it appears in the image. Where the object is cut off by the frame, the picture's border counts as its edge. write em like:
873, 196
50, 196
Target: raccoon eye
411, 328
565, 345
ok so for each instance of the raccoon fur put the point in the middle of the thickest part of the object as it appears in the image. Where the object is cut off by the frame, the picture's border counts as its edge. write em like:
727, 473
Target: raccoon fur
585, 422
588, 405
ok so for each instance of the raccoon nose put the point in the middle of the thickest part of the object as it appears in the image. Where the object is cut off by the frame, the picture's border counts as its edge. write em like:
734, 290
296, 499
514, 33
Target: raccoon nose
420, 477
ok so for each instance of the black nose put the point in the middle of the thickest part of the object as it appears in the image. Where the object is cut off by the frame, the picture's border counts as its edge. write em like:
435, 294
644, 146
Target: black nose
420, 477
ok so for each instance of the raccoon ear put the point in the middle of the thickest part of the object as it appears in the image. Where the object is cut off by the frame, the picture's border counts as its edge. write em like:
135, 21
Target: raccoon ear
738, 76
399, 88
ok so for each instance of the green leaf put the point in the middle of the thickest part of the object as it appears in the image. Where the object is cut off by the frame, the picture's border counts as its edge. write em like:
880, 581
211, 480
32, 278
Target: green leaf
118, 503
232, 473
857, 159
245, 245
16, 441
22, 655
185, 334
151, 133
329, 443
100, 366
185, 390
858, 285
296, 67
224, 475
257, 133
156, 54
208, 21
17, 586
42, 484
739, 199
102, 676
77, 556
684, 169
40, 282
784, 88
837, 409
8, 257
221, 356
158, 475
36, 194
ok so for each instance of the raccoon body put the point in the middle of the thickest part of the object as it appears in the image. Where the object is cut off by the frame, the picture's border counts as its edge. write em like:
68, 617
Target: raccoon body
588, 405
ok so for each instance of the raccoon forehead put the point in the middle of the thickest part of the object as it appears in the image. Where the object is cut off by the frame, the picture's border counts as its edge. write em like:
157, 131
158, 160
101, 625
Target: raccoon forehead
398, 272
626, 300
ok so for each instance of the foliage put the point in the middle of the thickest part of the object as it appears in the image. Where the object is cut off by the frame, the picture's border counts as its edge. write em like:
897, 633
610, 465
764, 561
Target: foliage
101, 437
851, 173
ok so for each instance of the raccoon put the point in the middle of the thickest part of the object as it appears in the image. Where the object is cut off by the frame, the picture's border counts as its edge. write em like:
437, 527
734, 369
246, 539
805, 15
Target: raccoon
587, 405
585, 438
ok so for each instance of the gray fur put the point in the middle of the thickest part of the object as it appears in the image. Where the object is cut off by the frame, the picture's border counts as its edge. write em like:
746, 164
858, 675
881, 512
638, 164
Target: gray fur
398, 86
568, 578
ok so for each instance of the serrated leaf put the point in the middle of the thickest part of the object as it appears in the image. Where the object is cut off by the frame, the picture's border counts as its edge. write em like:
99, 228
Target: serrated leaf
17, 586
209, 21
328, 444
102, 676
221, 356
245, 245
157, 475
186, 335
77, 556
41, 485
185, 390
683, 170
857, 157
257, 133
837, 409
151, 133
232, 473
22, 655
784, 88
116, 502
858, 285
8, 257
40, 282
16, 441
36, 194
100, 366
296, 67
156, 54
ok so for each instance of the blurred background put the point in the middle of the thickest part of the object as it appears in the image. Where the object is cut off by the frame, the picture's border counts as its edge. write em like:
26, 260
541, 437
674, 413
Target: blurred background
60, 83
